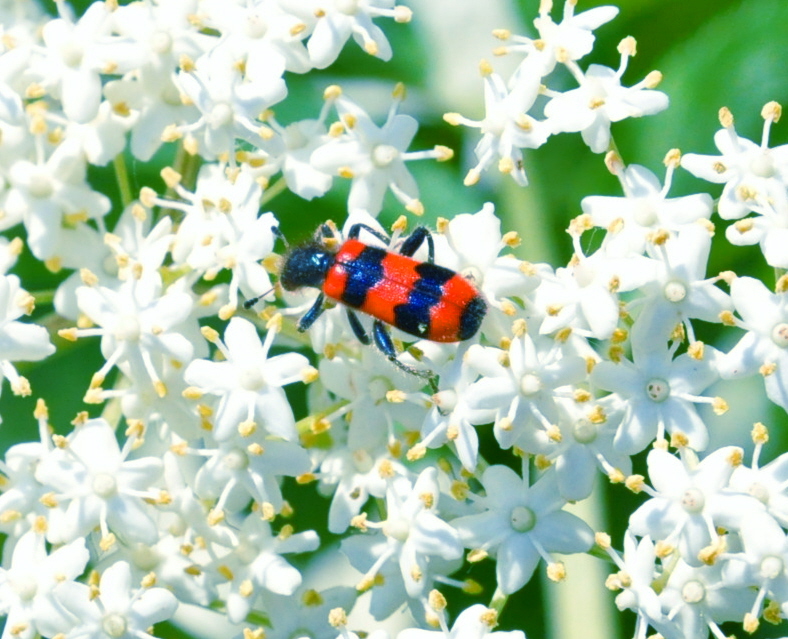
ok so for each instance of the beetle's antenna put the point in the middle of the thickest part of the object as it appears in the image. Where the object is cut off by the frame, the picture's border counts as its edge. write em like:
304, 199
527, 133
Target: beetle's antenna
275, 230
253, 300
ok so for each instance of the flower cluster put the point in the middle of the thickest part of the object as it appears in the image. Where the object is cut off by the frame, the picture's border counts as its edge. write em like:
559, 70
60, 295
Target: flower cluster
173, 490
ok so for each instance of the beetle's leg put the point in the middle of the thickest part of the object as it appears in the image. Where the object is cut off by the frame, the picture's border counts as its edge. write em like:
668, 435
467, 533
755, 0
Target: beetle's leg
414, 242
312, 314
358, 329
355, 230
384, 342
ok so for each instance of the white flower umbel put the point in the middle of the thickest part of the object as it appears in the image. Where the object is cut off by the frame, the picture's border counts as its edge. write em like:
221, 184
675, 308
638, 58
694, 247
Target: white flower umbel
690, 501
754, 175
114, 608
600, 100
27, 586
521, 524
94, 484
764, 348
249, 382
374, 157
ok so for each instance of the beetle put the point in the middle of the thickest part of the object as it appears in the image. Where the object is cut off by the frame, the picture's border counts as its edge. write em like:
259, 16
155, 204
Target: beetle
420, 298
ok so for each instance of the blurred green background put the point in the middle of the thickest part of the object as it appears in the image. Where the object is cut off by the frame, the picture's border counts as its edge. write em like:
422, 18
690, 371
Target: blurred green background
711, 52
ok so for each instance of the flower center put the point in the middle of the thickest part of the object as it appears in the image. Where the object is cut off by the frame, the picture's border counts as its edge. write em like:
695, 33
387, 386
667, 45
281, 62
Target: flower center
105, 485
255, 27
657, 389
383, 155
759, 491
362, 460
530, 384
71, 53
128, 329
40, 185
780, 335
236, 459
762, 165
522, 519
246, 551
114, 624
348, 7
583, 275
161, 42
378, 387
25, 586
772, 567
644, 213
584, 431
144, 557
693, 592
221, 115
397, 529
446, 400
251, 379
693, 501
674, 291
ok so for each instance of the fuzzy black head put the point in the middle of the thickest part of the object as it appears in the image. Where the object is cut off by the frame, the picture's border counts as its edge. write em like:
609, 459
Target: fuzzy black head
306, 266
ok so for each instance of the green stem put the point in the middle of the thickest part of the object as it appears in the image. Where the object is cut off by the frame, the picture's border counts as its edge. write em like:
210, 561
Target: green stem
498, 601
122, 177
272, 191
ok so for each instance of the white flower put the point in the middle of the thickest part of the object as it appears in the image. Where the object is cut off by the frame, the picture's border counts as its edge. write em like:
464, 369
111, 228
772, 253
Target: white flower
506, 128
599, 100
19, 341
338, 20
698, 599
764, 348
228, 100
415, 534
139, 328
27, 586
115, 609
645, 208
94, 484
52, 194
688, 503
353, 476
475, 622
255, 564
763, 562
636, 576
754, 175
658, 394
249, 383
521, 524
679, 290
374, 157
76, 54
523, 391
569, 40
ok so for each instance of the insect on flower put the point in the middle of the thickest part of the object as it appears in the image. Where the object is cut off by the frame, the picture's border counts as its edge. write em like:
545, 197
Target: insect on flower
421, 298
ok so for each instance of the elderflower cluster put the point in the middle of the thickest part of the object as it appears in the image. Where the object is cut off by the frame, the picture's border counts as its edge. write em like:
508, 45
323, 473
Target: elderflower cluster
174, 489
